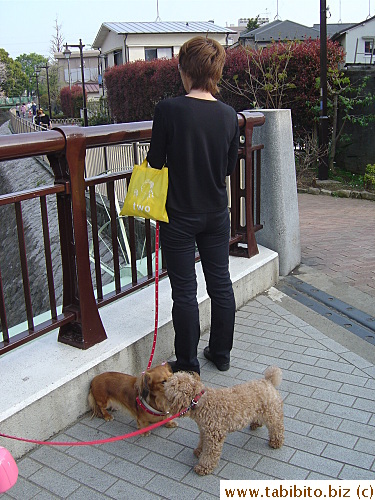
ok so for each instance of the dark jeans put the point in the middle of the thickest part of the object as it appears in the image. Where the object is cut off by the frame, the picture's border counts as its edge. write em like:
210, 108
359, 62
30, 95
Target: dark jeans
210, 231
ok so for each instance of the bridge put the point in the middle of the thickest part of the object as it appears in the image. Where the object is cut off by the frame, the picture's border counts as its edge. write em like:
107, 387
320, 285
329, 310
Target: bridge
10, 102
114, 327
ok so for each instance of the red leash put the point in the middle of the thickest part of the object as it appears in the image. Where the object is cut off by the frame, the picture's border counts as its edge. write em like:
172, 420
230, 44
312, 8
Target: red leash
156, 294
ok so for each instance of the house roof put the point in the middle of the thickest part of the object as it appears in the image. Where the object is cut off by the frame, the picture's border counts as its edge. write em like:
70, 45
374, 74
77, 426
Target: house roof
156, 27
352, 26
332, 29
280, 30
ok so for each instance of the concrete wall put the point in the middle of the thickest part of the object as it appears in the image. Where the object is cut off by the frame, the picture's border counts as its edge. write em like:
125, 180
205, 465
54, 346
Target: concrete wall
279, 204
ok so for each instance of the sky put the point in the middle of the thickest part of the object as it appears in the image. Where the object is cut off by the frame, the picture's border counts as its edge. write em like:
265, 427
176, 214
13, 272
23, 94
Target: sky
28, 26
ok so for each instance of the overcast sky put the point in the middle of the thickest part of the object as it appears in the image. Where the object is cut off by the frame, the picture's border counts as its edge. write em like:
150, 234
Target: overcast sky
28, 25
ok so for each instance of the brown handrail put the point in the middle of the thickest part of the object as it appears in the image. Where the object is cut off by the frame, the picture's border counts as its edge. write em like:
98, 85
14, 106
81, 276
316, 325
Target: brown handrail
80, 324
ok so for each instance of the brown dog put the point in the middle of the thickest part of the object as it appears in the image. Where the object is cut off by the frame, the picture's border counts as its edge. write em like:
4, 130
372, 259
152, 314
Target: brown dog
138, 395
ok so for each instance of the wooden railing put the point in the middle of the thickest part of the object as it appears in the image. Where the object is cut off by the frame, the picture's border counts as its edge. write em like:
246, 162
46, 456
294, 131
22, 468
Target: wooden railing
67, 148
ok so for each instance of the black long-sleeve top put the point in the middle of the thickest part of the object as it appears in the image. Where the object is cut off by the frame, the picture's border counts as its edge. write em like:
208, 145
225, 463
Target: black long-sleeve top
198, 141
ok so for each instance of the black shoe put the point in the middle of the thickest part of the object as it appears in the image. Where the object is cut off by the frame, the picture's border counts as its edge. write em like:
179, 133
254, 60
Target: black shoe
175, 368
223, 367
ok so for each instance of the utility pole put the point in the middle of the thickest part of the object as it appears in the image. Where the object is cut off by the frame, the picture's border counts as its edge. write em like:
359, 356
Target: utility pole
323, 119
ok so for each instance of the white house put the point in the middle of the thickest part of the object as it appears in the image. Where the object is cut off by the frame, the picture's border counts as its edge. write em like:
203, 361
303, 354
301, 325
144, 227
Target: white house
358, 42
126, 42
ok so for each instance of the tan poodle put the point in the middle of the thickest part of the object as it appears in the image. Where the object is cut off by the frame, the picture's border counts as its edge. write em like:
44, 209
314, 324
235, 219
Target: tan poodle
220, 411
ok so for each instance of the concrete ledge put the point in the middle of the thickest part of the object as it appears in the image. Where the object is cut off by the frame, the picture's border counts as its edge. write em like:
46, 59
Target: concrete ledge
45, 383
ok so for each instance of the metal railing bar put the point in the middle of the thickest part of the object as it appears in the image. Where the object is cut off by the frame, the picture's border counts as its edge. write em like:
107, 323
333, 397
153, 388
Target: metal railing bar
148, 247
133, 255
95, 239
105, 178
38, 331
24, 145
48, 257
29, 194
24, 269
3, 315
113, 218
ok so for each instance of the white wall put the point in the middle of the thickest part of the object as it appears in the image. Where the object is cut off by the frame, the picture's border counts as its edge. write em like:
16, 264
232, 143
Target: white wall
360, 32
136, 43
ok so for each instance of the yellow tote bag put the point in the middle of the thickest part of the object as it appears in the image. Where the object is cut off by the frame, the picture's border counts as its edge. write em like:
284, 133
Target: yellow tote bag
147, 193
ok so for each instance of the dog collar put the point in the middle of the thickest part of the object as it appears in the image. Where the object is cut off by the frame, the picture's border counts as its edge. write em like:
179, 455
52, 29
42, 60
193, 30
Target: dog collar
196, 398
149, 409
193, 403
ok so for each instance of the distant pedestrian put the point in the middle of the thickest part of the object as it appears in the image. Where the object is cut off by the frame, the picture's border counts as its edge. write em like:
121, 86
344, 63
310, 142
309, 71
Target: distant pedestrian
23, 110
33, 107
42, 119
17, 109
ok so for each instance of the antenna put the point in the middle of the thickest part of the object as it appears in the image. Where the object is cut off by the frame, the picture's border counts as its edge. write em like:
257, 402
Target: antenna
157, 11
339, 22
369, 9
277, 11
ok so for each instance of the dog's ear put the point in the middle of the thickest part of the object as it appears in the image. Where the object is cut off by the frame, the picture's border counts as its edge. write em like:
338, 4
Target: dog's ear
196, 375
142, 385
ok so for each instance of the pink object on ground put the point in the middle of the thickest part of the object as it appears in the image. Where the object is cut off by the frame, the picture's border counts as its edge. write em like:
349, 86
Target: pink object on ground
8, 470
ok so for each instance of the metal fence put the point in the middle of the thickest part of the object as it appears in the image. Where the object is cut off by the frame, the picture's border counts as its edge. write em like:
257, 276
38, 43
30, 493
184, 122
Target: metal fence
104, 256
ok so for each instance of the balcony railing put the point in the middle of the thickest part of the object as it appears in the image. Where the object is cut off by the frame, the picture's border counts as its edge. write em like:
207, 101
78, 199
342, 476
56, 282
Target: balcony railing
103, 261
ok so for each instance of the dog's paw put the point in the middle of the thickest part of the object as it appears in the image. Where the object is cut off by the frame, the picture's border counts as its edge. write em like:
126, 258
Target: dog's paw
171, 424
255, 425
197, 452
145, 434
202, 471
108, 418
276, 442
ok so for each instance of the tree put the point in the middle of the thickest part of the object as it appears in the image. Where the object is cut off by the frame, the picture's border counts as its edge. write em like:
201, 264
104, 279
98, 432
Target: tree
252, 23
15, 82
28, 63
57, 42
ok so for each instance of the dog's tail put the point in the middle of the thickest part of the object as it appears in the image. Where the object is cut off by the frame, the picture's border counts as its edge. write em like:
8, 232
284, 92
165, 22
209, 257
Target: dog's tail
93, 405
274, 375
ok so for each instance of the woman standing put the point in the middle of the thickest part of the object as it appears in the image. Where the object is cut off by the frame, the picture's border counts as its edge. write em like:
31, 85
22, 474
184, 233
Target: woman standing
197, 137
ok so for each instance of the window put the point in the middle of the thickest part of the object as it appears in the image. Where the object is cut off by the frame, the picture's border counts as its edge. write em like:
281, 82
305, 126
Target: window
117, 57
153, 53
369, 47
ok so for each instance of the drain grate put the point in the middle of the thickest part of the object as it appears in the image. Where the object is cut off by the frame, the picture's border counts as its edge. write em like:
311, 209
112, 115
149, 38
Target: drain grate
341, 313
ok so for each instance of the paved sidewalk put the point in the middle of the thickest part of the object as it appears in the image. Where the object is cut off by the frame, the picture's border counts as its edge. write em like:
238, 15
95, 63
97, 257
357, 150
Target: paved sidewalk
328, 392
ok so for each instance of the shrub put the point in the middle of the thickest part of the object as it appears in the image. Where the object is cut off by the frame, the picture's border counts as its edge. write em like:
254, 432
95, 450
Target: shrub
369, 178
134, 89
71, 101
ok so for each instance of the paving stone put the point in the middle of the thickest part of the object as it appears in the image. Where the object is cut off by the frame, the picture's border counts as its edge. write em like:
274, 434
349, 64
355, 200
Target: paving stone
348, 413
349, 472
172, 489
27, 467
237, 472
281, 470
316, 463
55, 482
165, 466
303, 402
319, 419
53, 458
128, 471
122, 489
334, 397
346, 456
23, 489
322, 383
92, 477
335, 437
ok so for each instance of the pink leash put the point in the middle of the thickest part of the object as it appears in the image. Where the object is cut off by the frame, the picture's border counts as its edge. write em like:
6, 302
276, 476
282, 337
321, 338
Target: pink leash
156, 294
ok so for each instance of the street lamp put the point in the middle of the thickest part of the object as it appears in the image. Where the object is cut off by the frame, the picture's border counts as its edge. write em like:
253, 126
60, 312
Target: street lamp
37, 71
67, 53
323, 119
49, 98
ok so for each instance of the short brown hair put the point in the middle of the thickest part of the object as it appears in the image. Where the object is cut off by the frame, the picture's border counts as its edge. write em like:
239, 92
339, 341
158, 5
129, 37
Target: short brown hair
202, 59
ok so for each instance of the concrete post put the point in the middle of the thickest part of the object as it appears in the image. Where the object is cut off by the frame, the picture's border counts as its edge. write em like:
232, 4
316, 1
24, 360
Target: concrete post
279, 204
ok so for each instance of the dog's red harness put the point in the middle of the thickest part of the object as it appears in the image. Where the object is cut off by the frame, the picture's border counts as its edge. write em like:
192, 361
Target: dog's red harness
149, 409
